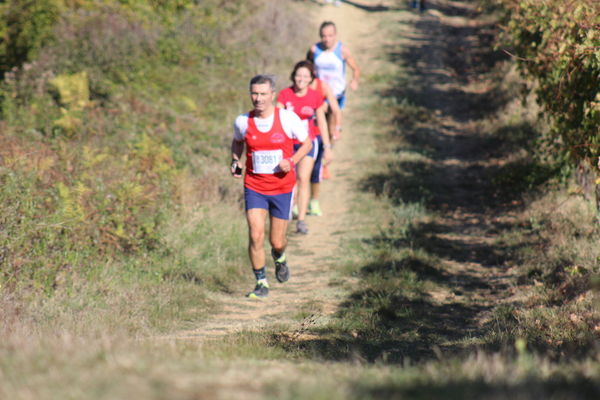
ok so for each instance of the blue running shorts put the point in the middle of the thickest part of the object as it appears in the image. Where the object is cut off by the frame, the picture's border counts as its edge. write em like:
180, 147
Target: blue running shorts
316, 174
314, 150
278, 205
342, 99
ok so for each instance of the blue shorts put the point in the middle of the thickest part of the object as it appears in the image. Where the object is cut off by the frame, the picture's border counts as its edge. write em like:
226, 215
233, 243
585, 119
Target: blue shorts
314, 150
342, 99
278, 205
315, 176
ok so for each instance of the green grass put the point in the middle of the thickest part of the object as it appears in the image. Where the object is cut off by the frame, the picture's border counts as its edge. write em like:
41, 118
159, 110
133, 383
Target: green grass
133, 204
182, 370
556, 262
391, 339
95, 327
143, 295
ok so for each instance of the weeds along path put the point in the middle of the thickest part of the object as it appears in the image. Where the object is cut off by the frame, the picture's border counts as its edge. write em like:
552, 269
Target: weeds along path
309, 256
441, 52
437, 154
447, 55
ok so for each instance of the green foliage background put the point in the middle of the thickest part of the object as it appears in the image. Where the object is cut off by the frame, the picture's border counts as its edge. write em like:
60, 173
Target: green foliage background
557, 44
115, 123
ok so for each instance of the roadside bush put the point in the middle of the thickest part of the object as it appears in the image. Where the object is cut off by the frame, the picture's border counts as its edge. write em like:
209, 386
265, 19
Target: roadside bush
562, 55
57, 206
25, 26
111, 46
113, 124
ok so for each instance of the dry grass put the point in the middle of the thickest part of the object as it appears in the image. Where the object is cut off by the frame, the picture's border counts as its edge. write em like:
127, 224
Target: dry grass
90, 338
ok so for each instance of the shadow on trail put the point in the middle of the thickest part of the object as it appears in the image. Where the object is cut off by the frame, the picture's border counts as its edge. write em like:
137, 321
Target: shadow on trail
528, 388
364, 7
368, 8
396, 315
433, 239
392, 318
417, 339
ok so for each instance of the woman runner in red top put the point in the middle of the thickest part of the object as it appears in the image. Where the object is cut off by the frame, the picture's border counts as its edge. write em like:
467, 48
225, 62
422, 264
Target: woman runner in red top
308, 105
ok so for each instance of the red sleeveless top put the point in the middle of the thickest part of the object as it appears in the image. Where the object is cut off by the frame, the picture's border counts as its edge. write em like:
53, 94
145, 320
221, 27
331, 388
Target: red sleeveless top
305, 107
320, 87
264, 150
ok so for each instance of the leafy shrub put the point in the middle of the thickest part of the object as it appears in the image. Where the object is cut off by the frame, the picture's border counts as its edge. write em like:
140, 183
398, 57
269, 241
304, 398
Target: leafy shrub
27, 26
563, 56
94, 177
111, 46
54, 204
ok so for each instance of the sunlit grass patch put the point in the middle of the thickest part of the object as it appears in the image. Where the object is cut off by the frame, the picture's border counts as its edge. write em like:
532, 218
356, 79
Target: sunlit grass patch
556, 263
183, 370
255, 345
308, 312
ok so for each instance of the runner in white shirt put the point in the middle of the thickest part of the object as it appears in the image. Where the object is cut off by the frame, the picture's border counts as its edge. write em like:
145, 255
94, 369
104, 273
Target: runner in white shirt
330, 57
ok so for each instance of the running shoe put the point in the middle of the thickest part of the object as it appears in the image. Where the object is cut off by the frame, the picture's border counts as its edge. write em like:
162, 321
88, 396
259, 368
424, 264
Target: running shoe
282, 272
314, 208
301, 227
260, 291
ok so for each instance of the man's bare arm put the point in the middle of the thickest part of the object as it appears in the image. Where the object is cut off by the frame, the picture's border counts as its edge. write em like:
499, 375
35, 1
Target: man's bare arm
335, 109
237, 147
325, 136
347, 55
310, 54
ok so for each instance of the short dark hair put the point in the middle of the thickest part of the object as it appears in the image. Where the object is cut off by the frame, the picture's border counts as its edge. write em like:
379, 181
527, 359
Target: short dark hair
325, 24
304, 64
261, 79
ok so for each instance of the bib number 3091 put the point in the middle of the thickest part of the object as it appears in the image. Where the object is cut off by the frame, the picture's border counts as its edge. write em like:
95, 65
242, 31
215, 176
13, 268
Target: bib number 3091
266, 161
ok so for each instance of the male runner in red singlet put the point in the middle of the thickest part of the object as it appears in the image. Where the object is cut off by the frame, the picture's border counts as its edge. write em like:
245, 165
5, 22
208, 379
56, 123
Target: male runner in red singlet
267, 133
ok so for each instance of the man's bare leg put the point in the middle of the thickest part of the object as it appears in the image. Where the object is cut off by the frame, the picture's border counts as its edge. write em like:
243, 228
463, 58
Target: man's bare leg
256, 229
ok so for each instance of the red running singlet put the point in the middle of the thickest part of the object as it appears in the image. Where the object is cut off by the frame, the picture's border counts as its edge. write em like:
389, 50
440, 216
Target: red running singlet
319, 88
264, 150
305, 107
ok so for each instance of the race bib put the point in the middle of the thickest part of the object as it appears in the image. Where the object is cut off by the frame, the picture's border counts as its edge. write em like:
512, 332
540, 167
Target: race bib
266, 161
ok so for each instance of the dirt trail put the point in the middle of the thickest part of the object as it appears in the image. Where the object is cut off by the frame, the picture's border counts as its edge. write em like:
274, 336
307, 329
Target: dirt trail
308, 255
463, 237
448, 53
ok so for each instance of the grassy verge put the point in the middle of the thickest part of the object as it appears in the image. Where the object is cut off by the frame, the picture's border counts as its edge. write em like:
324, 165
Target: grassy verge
557, 268
118, 219
116, 206
396, 336
416, 326
183, 372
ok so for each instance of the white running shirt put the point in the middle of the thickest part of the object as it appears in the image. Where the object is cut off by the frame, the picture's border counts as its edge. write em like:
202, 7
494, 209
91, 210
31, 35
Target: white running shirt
331, 67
